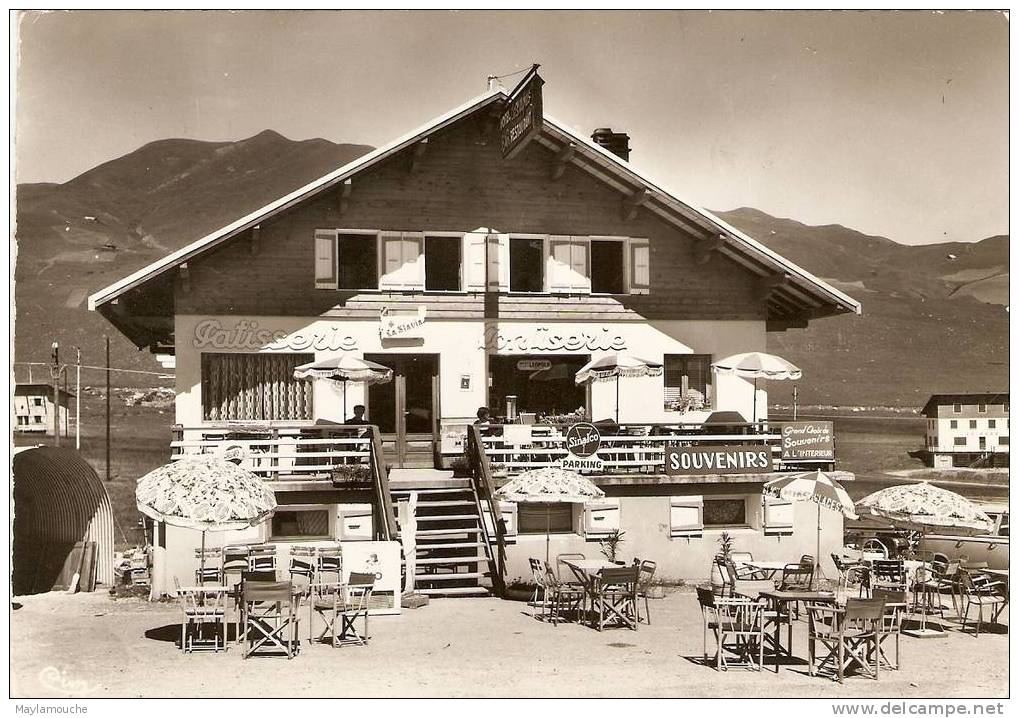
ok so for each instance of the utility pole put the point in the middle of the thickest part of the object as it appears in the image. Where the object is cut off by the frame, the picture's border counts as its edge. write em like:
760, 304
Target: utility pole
796, 399
77, 400
55, 375
107, 338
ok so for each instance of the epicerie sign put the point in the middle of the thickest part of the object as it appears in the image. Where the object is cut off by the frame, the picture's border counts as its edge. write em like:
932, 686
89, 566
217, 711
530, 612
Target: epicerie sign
808, 440
582, 443
544, 339
692, 460
248, 335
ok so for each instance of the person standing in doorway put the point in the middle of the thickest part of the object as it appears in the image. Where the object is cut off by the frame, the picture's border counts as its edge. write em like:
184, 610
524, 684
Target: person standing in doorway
358, 417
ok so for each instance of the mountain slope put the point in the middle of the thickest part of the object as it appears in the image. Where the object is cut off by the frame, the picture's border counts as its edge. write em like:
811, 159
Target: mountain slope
933, 320
80, 236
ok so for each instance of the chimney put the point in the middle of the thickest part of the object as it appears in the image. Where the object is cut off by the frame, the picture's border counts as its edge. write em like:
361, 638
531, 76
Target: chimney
618, 143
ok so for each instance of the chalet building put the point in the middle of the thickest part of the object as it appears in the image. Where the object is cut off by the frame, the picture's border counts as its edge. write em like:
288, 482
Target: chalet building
485, 257
33, 409
967, 430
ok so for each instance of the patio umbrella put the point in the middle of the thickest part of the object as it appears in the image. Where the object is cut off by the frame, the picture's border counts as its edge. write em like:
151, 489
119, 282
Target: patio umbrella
818, 487
345, 368
757, 365
613, 366
920, 506
549, 485
204, 493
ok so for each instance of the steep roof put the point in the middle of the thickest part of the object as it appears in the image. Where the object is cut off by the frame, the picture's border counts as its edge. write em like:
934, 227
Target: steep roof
795, 292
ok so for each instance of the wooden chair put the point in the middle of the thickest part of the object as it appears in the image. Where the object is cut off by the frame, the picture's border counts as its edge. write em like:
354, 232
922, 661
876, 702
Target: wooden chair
614, 597
271, 610
977, 589
896, 605
560, 595
850, 635
201, 607
738, 627
645, 577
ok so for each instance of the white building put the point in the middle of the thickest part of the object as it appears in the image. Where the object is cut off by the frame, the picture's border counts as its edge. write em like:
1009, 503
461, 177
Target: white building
33, 409
967, 429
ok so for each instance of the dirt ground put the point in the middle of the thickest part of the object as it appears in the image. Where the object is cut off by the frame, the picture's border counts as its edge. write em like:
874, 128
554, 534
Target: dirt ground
90, 645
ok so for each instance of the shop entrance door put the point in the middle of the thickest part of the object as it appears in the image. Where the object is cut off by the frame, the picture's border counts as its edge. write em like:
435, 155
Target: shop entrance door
406, 409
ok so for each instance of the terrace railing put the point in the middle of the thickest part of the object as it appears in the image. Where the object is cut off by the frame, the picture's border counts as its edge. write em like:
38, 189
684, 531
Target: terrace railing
484, 489
344, 455
632, 448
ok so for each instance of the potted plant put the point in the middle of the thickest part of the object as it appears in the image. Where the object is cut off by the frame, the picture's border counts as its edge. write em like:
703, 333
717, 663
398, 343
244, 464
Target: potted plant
725, 544
610, 546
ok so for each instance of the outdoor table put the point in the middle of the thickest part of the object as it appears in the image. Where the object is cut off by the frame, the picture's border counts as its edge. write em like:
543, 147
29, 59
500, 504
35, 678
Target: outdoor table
586, 570
769, 567
780, 601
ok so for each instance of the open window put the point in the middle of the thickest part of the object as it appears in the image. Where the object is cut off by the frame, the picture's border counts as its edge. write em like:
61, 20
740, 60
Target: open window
443, 263
358, 258
608, 266
527, 264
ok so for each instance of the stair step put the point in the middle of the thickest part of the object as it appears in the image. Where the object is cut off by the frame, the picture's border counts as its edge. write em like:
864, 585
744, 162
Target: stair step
430, 546
446, 532
449, 559
454, 591
456, 502
449, 517
447, 576
432, 491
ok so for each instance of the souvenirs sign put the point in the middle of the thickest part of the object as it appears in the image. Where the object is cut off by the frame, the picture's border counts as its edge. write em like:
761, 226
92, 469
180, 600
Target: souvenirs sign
522, 118
691, 460
582, 443
808, 441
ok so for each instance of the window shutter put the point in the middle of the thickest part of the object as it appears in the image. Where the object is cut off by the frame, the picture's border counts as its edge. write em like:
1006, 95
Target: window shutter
778, 516
474, 261
686, 516
569, 265
640, 266
402, 260
497, 258
325, 259
601, 517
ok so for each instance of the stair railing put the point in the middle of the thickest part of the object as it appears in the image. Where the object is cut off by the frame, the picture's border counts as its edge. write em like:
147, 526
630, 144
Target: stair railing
484, 487
380, 483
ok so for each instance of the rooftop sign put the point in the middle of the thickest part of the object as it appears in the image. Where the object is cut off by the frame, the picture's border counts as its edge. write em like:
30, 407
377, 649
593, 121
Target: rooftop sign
522, 118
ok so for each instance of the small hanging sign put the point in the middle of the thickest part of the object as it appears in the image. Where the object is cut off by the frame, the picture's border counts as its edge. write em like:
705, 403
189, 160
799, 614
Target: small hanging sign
522, 118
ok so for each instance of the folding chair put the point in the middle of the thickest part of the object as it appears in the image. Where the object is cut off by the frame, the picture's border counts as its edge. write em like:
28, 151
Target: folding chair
614, 597
343, 604
302, 563
262, 557
212, 572
329, 562
558, 594
850, 635
896, 604
539, 577
738, 626
271, 610
644, 579
201, 607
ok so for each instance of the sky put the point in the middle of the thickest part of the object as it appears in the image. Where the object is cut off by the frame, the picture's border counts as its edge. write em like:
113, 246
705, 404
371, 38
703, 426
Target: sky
890, 123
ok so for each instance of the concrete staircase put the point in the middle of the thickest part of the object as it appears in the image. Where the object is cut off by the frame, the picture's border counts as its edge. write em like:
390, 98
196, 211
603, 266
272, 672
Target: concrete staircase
452, 556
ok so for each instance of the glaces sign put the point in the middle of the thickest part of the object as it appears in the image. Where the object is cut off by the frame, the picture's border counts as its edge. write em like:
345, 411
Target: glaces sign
522, 118
247, 335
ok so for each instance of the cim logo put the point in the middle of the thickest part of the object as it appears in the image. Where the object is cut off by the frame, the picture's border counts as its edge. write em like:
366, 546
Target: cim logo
583, 440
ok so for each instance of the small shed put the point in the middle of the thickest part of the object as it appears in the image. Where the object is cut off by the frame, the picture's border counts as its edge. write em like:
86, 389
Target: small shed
60, 505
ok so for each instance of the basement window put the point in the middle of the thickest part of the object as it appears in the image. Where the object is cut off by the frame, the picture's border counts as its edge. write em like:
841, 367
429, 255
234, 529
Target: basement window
443, 263
536, 517
725, 513
300, 524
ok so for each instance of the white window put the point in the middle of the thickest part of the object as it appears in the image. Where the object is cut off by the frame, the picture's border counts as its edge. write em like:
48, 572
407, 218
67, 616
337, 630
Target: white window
992, 424
957, 408
959, 441
569, 265
981, 408
953, 424
401, 261
37, 400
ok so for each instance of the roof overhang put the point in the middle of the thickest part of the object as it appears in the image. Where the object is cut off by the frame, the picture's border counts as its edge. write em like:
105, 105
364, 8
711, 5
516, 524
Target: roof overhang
793, 295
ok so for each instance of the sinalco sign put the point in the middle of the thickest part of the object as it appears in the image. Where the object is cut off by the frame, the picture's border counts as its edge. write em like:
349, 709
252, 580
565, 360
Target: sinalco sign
522, 118
582, 443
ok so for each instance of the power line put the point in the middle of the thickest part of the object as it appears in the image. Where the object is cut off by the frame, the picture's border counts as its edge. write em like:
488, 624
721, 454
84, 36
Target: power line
102, 368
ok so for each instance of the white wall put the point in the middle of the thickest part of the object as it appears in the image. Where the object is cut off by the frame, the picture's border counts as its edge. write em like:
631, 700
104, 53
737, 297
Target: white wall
945, 435
461, 346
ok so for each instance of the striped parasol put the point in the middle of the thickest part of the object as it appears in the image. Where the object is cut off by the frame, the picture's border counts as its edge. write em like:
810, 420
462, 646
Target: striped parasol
815, 486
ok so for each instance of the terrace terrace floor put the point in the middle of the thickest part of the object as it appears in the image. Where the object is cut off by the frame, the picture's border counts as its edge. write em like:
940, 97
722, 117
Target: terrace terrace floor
92, 646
